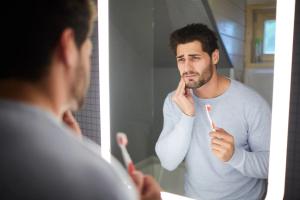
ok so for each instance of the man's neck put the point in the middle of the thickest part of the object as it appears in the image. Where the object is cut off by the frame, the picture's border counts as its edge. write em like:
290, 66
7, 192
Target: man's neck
215, 87
30, 93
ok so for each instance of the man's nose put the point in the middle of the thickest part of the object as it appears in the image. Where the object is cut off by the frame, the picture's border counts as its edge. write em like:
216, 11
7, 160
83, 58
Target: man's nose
187, 66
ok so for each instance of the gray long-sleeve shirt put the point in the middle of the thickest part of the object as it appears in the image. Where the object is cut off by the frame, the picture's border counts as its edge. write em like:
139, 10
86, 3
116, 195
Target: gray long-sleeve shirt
41, 159
242, 113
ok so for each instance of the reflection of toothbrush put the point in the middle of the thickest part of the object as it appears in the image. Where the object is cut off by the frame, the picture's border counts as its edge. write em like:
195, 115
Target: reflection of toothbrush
122, 142
211, 123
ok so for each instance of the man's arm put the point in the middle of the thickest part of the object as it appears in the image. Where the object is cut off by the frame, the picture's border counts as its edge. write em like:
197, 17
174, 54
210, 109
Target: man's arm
254, 163
175, 137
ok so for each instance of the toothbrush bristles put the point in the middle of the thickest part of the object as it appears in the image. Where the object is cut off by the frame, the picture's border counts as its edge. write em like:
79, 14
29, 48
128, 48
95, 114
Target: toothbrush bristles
122, 139
208, 109
122, 142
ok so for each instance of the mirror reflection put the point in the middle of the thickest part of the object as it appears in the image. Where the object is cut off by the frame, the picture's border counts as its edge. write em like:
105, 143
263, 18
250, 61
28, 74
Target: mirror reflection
178, 146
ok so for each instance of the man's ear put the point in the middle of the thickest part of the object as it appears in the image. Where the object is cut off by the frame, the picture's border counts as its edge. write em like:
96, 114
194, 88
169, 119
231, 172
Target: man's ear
215, 56
68, 48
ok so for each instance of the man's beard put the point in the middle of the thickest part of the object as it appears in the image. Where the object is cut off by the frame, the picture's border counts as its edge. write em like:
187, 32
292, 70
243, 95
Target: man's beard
202, 79
79, 87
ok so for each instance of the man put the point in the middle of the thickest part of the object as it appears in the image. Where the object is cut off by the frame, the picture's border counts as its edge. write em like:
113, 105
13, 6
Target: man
45, 72
227, 159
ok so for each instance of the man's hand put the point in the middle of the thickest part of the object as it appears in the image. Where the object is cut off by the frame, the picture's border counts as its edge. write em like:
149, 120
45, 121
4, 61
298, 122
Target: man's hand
222, 144
71, 122
184, 100
147, 187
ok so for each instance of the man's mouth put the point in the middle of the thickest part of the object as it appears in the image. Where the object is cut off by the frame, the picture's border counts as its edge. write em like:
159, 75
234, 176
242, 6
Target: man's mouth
188, 76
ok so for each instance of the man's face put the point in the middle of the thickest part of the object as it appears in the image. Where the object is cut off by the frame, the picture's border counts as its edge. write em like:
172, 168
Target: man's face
195, 65
81, 81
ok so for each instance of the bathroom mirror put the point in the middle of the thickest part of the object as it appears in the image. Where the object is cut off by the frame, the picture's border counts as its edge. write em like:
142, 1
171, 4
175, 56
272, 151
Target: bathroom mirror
143, 69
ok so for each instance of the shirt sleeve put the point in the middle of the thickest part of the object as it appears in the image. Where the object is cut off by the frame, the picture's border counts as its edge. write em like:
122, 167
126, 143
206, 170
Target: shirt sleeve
174, 140
255, 162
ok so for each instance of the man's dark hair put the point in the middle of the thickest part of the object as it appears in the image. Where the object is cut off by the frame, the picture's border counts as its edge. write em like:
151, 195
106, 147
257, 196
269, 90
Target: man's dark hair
32, 29
195, 32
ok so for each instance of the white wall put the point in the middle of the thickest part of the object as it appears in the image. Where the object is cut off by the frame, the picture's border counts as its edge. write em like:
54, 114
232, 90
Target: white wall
261, 80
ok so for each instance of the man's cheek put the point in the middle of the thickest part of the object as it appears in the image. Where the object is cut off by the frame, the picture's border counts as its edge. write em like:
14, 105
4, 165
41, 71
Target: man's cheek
180, 71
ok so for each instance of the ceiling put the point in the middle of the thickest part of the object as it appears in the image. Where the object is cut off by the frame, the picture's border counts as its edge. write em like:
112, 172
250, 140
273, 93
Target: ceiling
173, 14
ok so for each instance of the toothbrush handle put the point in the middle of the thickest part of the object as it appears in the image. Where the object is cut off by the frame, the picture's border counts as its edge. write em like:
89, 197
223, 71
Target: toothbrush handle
127, 160
130, 168
213, 126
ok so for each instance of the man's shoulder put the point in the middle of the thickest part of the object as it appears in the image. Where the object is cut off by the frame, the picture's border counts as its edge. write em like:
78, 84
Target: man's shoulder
44, 154
170, 94
168, 100
250, 99
245, 92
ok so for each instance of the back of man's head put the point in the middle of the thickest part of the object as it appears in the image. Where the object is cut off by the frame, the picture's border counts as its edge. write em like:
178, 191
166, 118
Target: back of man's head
32, 30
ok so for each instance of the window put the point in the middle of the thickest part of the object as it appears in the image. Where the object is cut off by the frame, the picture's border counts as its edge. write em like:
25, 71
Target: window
260, 37
269, 37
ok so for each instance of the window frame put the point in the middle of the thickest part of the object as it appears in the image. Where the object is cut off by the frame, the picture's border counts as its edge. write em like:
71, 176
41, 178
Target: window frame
255, 17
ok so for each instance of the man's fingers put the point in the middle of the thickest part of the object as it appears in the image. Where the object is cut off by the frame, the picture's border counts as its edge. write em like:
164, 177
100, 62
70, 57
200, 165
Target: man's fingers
177, 89
221, 148
151, 190
219, 129
181, 88
217, 141
220, 141
138, 179
217, 147
218, 153
71, 122
185, 103
188, 92
147, 187
68, 117
221, 135
214, 126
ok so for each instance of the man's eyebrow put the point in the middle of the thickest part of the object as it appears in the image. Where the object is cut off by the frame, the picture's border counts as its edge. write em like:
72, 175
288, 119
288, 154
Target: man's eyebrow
191, 55
181, 56
195, 55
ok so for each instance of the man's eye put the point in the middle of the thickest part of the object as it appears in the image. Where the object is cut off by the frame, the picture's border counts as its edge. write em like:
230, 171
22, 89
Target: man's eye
180, 60
196, 58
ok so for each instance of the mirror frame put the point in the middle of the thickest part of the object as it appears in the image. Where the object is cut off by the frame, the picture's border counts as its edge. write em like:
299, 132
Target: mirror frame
285, 13
103, 51
281, 91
